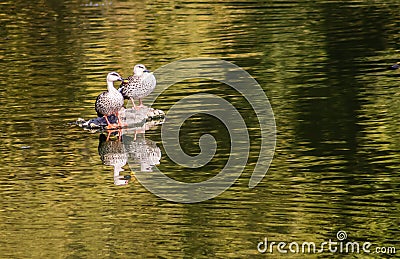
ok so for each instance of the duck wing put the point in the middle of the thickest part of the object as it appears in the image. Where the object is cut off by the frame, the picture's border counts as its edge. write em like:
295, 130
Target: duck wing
124, 87
99, 105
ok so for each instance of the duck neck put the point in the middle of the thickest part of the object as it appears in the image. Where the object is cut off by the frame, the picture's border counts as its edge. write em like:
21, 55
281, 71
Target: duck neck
110, 87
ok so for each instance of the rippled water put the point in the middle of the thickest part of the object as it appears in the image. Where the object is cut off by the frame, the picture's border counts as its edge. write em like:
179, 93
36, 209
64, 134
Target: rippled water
322, 65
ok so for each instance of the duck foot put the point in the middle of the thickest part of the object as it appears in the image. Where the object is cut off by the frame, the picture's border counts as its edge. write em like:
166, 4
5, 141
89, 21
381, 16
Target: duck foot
113, 127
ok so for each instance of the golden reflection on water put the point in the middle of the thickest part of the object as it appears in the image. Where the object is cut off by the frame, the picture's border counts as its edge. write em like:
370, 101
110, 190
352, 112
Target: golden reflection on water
335, 166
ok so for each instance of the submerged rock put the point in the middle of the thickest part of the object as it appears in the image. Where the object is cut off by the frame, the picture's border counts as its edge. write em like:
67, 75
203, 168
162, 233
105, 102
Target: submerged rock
130, 117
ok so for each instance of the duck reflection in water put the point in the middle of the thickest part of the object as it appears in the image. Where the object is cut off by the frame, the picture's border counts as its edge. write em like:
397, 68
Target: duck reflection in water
143, 152
137, 149
112, 152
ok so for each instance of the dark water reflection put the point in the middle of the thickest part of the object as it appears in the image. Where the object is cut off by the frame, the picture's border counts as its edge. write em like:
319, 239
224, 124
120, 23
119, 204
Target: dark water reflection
322, 64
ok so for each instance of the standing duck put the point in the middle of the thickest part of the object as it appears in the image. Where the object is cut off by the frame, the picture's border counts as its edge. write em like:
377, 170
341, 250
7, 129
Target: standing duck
110, 101
139, 85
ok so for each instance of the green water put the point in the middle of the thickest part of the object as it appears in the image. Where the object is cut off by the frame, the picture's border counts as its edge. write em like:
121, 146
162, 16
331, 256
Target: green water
323, 67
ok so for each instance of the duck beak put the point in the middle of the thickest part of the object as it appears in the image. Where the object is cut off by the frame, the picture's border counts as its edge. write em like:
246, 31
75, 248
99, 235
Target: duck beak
146, 71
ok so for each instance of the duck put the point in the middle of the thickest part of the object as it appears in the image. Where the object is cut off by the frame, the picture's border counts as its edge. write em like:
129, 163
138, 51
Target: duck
111, 101
395, 66
138, 85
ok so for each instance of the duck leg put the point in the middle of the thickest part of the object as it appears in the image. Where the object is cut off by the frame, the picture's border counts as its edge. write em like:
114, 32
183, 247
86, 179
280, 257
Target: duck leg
108, 134
120, 123
109, 125
118, 132
140, 103
133, 103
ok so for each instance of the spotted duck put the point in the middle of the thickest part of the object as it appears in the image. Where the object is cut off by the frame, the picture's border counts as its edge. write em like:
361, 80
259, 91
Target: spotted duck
138, 86
111, 101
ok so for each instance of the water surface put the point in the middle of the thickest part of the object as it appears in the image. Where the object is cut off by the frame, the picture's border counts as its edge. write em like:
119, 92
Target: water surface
322, 65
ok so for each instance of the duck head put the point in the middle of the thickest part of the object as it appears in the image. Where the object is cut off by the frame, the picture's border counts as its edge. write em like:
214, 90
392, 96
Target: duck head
114, 76
139, 70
